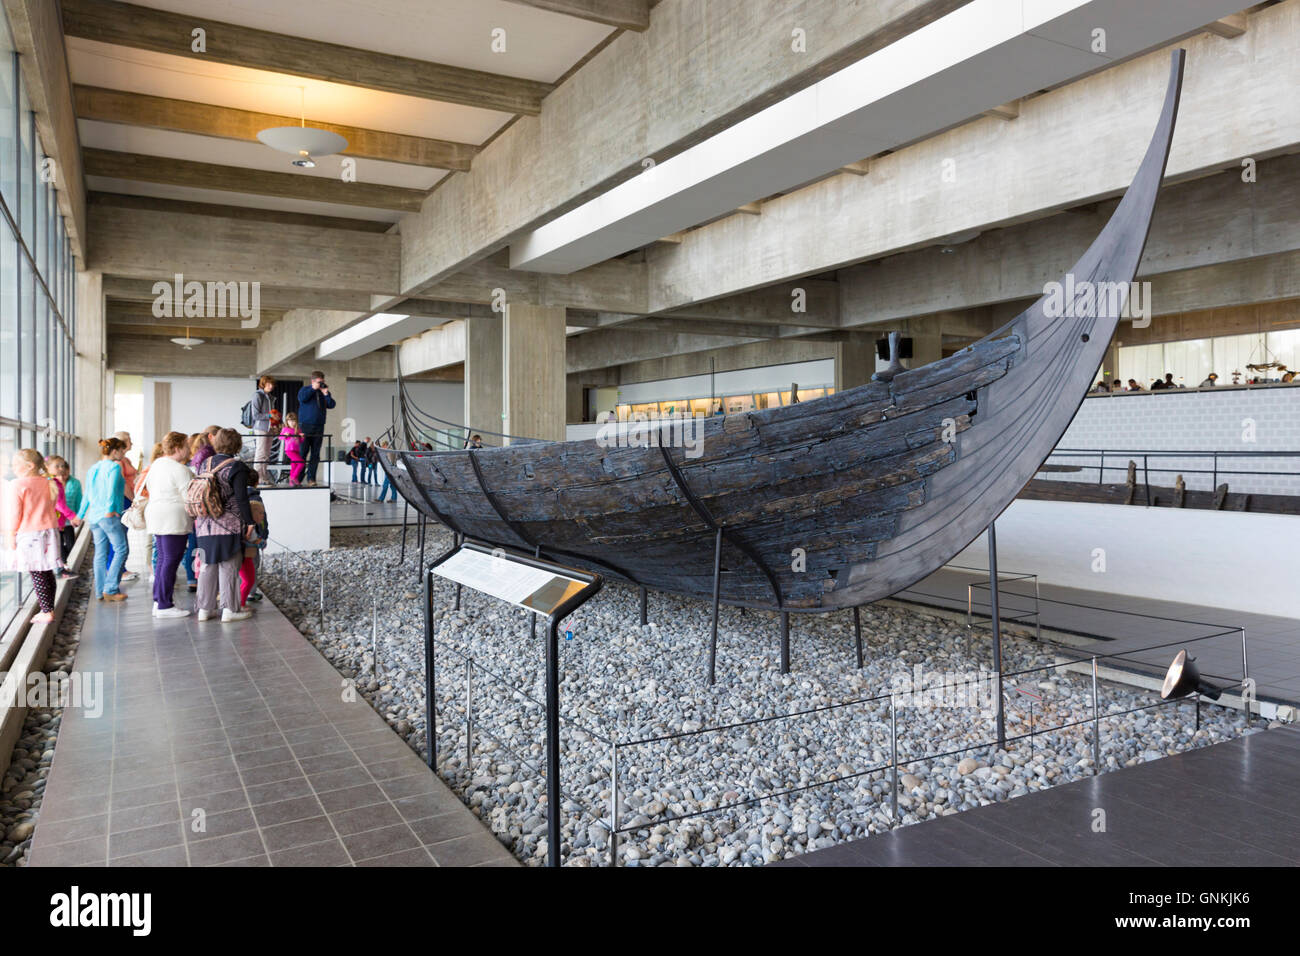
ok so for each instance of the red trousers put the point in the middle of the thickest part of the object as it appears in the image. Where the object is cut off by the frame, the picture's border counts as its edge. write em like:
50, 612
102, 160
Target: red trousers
247, 578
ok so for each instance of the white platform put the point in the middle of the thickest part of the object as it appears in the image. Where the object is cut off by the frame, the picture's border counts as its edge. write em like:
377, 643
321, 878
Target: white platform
1225, 559
299, 519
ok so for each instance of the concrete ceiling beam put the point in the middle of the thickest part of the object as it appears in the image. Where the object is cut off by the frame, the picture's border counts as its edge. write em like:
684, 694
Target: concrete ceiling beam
568, 158
183, 116
1000, 174
138, 167
161, 31
142, 244
624, 14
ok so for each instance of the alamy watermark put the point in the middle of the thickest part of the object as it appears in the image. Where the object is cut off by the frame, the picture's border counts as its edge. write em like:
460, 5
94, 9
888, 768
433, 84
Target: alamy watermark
208, 300
640, 431
922, 688
1085, 299
84, 691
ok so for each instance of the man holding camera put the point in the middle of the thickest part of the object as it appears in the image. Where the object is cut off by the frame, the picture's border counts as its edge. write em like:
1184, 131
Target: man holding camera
314, 401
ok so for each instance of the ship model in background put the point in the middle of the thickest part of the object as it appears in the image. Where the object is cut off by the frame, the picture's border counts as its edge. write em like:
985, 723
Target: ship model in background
875, 487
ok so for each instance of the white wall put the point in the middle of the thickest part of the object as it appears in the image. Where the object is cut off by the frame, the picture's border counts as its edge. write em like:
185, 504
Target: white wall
198, 403
1166, 554
370, 403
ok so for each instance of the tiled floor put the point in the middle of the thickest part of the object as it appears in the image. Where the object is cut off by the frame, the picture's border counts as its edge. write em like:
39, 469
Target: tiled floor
1118, 625
1232, 804
355, 505
236, 744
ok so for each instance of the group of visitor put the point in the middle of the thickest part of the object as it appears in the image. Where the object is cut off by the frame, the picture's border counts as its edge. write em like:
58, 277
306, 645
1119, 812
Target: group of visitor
1210, 381
196, 497
364, 456
299, 434
1159, 385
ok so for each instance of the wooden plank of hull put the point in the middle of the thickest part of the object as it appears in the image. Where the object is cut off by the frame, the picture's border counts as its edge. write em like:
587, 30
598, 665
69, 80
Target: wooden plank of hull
861, 480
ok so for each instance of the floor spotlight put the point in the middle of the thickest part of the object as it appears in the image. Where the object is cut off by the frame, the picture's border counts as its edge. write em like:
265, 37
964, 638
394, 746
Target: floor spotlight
1183, 679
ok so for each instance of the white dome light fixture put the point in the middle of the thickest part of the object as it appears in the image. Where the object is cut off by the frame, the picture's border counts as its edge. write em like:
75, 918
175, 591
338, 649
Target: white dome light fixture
305, 143
187, 343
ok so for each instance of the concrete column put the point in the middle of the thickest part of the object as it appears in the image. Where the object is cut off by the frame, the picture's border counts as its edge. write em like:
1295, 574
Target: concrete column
483, 370
927, 341
574, 406
533, 372
856, 361
92, 402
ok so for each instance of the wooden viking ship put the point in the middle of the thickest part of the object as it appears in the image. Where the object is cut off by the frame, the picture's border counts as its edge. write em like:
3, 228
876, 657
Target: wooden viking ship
876, 486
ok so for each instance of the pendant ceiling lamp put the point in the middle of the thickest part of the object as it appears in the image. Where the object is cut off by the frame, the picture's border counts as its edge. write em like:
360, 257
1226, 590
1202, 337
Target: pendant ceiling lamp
187, 343
305, 143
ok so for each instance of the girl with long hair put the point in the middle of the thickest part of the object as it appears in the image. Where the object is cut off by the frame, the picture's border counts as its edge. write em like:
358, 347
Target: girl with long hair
293, 449
31, 527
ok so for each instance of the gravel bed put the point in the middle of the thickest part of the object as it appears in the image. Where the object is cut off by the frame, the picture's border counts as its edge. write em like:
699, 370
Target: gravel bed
23, 784
623, 683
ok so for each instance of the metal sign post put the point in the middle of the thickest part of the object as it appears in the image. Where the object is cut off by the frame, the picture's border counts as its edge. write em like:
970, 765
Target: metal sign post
551, 590
997, 631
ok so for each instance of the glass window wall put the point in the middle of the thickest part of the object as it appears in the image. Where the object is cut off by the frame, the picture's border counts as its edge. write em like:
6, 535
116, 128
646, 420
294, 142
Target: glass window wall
37, 353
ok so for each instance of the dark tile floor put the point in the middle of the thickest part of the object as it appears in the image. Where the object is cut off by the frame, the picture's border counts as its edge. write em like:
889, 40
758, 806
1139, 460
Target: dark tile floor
356, 505
1231, 804
1121, 624
237, 744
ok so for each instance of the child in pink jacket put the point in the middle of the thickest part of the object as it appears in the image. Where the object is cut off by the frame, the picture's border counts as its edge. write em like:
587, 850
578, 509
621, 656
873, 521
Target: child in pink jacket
292, 439
29, 527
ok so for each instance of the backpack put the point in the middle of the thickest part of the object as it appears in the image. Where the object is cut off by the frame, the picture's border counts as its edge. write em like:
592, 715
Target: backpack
203, 494
246, 414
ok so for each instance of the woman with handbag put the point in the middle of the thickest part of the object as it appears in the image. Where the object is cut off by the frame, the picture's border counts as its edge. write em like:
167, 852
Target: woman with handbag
164, 487
134, 518
221, 538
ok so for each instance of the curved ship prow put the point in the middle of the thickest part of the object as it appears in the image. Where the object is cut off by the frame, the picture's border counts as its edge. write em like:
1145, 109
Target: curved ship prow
875, 486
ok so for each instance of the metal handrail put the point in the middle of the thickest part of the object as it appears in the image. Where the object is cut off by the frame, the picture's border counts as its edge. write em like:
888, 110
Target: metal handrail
1147, 454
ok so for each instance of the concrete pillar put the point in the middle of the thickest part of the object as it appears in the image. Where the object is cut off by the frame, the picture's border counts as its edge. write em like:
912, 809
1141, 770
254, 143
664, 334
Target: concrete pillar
574, 406
92, 401
856, 361
927, 341
483, 371
533, 372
